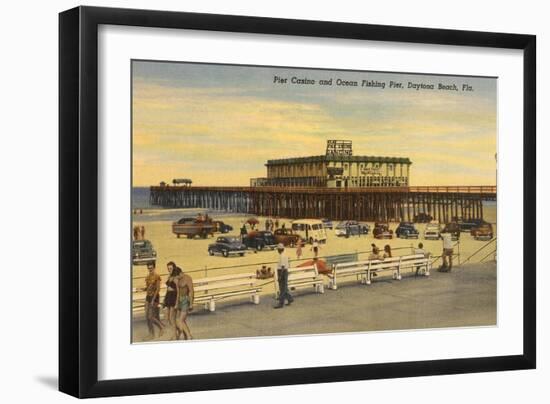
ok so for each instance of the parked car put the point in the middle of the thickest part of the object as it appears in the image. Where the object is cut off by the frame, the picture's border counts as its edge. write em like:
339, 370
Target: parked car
310, 230
483, 231
286, 237
226, 246
452, 228
432, 231
406, 230
191, 227
259, 240
382, 230
469, 224
327, 223
354, 227
422, 218
143, 252
221, 227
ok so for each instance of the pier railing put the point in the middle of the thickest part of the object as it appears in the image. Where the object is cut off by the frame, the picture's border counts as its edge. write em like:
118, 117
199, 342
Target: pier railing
447, 189
138, 303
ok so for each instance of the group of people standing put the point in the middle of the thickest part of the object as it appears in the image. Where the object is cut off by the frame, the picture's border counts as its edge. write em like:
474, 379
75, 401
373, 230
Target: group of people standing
139, 232
178, 301
271, 225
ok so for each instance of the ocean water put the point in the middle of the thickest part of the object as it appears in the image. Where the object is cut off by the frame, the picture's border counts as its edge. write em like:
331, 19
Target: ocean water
143, 211
140, 198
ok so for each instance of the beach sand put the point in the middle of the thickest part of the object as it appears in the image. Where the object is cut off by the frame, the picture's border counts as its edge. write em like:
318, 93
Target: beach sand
192, 255
193, 258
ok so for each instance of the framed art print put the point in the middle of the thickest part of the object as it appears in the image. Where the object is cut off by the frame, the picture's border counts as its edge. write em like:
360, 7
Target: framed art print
290, 201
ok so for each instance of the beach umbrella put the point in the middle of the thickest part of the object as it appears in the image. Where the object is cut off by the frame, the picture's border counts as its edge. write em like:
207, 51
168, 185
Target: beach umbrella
321, 265
253, 220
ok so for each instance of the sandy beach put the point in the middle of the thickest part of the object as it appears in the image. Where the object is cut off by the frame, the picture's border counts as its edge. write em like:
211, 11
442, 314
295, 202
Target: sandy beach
193, 258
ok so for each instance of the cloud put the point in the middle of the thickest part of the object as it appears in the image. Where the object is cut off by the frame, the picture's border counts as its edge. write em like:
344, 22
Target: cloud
224, 135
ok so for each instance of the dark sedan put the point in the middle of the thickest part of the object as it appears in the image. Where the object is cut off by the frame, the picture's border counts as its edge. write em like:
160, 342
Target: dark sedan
260, 240
469, 224
453, 228
382, 230
406, 230
143, 252
227, 246
422, 218
222, 227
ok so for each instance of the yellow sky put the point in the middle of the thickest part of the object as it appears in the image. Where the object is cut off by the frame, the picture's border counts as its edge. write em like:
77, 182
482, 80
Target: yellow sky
219, 124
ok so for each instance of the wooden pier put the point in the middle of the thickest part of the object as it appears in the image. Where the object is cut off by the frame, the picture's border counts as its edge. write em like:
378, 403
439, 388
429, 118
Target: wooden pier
371, 204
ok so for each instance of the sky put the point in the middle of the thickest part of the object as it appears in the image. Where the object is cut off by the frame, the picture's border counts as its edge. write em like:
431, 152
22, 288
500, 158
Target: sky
219, 124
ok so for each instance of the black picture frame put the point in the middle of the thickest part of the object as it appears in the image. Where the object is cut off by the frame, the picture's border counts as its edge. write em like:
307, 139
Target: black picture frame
78, 196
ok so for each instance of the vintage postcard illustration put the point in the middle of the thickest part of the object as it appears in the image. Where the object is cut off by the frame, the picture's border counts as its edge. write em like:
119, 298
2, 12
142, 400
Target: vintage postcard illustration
270, 201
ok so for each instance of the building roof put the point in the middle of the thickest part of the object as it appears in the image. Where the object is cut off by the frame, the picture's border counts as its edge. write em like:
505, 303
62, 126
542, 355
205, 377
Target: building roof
327, 159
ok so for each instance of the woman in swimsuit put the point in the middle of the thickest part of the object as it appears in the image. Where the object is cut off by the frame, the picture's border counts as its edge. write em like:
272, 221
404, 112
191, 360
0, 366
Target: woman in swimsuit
171, 296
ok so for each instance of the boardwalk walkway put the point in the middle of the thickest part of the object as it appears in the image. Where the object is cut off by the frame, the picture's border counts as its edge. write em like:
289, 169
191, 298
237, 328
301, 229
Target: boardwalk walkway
464, 297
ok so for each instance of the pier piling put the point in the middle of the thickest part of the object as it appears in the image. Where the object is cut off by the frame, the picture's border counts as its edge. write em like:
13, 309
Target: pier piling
372, 204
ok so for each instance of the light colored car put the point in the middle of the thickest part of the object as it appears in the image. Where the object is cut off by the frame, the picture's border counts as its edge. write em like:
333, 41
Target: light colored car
432, 231
310, 230
351, 228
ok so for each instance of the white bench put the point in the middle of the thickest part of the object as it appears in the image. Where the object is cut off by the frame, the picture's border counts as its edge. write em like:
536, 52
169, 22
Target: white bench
301, 277
398, 264
210, 290
363, 270
418, 263
344, 269
387, 264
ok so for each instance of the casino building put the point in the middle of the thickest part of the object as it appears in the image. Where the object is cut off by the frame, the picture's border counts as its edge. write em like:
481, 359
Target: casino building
338, 168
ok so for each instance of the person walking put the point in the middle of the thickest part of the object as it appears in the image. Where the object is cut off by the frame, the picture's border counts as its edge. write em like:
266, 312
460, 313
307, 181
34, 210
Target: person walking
142, 232
447, 255
282, 277
186, 295
299, 246
171, 296
152, 300
315, 248
243, 232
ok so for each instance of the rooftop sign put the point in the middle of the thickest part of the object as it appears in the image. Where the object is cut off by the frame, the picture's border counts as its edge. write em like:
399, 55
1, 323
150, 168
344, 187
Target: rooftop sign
339, 148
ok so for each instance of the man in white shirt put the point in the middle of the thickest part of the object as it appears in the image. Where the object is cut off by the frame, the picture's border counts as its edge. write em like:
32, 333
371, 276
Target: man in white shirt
447, 256
282, 276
